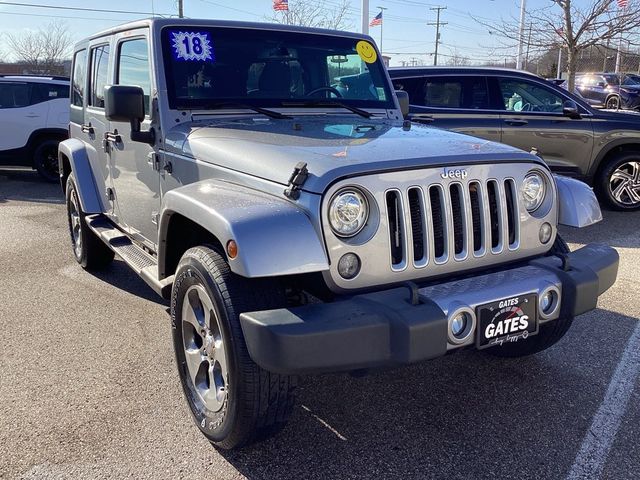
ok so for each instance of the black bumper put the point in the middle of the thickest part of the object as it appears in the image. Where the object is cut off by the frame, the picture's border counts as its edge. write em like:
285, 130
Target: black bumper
385, 329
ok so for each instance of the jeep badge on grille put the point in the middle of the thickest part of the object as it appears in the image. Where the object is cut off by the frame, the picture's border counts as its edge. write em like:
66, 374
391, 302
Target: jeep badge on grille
454, 173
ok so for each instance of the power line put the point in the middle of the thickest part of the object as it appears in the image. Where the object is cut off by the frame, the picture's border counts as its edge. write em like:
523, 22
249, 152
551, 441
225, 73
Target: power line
79, 9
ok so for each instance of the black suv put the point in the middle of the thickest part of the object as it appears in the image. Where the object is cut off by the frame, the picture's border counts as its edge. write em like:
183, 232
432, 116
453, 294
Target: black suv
609, 90
525, 111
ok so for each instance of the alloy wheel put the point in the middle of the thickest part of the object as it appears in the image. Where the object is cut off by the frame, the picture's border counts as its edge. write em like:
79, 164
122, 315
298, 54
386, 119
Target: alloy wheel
204, 348
74, 223
624, 184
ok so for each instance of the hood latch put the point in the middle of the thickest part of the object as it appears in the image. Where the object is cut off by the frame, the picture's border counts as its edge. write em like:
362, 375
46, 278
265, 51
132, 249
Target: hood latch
296, 181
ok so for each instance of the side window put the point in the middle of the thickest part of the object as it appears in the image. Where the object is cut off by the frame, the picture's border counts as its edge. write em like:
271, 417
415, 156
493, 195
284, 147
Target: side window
15, 95
413, 87
79, 77
43, 92
469, 93
133, 67
99, 69
523, 96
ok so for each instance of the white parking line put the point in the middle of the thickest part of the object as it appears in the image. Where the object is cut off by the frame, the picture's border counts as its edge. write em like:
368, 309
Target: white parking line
599, 439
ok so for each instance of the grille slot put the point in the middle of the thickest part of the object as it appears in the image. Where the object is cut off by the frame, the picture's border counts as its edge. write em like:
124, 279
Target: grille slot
477, 220
512, 212
494, 214
452, 222
396, 228
418, 227
438, 220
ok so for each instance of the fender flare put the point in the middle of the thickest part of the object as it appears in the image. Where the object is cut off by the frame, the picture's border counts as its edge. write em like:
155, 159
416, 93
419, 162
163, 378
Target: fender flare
74, 151
610, 147
274, 236
577, 204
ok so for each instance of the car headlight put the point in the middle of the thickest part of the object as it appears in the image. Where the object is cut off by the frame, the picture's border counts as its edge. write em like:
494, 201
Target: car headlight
348, 212
533, 191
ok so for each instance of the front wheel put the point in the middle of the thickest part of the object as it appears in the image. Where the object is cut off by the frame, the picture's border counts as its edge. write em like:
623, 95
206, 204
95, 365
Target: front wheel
233, 400
45, 160
549, 334
618, 182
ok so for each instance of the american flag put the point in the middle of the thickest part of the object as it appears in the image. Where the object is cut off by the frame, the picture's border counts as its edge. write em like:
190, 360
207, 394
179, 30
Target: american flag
623, 3
281, 5
377, 20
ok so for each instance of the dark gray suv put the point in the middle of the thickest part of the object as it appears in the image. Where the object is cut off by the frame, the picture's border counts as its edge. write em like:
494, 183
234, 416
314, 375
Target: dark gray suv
525, 111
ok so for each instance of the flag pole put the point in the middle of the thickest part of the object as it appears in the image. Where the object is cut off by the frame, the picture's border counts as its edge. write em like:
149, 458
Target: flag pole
382, 9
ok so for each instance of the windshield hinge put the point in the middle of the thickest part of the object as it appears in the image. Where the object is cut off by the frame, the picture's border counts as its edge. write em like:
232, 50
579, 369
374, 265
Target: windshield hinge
296, 181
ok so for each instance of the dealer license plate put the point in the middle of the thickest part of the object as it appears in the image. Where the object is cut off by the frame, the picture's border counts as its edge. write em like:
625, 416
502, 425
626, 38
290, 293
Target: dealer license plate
507, 321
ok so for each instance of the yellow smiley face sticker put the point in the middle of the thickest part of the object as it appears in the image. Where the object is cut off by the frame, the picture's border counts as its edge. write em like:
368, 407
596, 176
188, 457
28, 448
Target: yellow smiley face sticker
366, 51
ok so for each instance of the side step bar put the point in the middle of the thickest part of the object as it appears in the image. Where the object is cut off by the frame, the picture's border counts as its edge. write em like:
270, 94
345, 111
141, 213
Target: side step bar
141, 262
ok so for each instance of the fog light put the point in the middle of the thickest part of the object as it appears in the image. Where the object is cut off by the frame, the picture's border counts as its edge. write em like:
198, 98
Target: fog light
349, 266
548, 302
461, 325
545, 233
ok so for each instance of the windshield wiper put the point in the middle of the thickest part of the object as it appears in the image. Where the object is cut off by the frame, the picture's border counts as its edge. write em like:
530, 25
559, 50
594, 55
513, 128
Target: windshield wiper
328, 103
263, 111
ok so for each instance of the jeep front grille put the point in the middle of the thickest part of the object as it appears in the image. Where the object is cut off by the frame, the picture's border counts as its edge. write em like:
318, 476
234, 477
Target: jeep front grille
452, 222
423, 225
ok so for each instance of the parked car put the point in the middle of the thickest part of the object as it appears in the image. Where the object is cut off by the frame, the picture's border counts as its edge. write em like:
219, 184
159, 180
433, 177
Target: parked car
298, 228
525, 111
34, 118
609, 90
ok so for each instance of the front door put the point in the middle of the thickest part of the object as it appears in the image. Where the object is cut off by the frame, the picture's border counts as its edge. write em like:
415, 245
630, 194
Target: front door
459, 103
134, 169
533, 119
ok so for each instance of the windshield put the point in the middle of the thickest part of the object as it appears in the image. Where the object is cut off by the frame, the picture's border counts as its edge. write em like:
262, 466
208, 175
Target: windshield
208, 67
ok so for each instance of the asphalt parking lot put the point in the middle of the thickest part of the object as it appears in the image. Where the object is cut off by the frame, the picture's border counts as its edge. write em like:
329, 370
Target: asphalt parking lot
88, 387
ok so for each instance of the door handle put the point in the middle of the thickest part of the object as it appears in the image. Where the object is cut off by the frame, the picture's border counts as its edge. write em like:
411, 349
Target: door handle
32, 115
516, 122
87, 128
422, 119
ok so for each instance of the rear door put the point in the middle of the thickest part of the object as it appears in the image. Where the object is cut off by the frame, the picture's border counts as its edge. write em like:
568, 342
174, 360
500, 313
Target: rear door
533, 118
21, 113
460, 103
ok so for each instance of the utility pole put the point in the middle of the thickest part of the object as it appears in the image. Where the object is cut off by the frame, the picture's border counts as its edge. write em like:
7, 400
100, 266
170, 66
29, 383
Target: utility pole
619, 55
364, 13
180, 9
437, 25
526, 58
559, 71
521, 34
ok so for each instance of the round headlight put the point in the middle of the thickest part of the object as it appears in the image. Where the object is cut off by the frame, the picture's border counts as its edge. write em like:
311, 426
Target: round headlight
533, 191
348, 212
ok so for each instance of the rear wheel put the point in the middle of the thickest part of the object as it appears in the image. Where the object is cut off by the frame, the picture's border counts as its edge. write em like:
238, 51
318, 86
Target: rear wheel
613, 102
88, 250
45, 160
232, 400
618, 182
549, 334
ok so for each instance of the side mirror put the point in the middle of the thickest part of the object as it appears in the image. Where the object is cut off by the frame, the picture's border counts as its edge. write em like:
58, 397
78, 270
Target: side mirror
125, 103
403, 100
601, 84
570, 109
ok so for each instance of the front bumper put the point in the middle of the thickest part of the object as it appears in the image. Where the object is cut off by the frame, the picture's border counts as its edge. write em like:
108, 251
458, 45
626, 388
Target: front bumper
386, 329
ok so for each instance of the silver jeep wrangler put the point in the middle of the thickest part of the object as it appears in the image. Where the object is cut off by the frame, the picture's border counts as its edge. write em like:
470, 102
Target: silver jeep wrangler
263, 179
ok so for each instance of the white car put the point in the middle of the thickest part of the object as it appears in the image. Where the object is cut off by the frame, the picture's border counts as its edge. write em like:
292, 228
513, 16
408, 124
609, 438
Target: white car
34, 118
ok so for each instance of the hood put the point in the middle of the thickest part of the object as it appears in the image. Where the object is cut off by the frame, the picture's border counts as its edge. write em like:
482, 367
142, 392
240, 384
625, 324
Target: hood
333, 146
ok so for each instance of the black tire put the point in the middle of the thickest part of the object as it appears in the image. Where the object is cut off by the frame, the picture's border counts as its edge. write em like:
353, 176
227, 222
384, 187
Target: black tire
88, 250
606, 184
45, 160
255, 403
612, 102
549, 334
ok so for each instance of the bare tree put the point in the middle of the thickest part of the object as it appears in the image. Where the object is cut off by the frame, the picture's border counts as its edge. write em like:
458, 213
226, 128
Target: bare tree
573, 28
456, 59
310, 13
43, 50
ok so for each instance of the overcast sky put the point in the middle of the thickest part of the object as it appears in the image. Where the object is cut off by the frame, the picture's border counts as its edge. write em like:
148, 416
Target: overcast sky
406, 34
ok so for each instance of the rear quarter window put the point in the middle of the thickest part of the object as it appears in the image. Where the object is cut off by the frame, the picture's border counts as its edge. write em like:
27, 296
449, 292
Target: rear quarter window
15, 95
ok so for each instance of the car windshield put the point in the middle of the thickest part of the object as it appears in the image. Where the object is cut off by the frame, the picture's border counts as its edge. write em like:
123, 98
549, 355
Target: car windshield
209, 67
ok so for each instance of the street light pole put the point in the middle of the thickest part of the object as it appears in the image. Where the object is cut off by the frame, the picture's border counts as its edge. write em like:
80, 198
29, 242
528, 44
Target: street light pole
364, 12
521, 34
